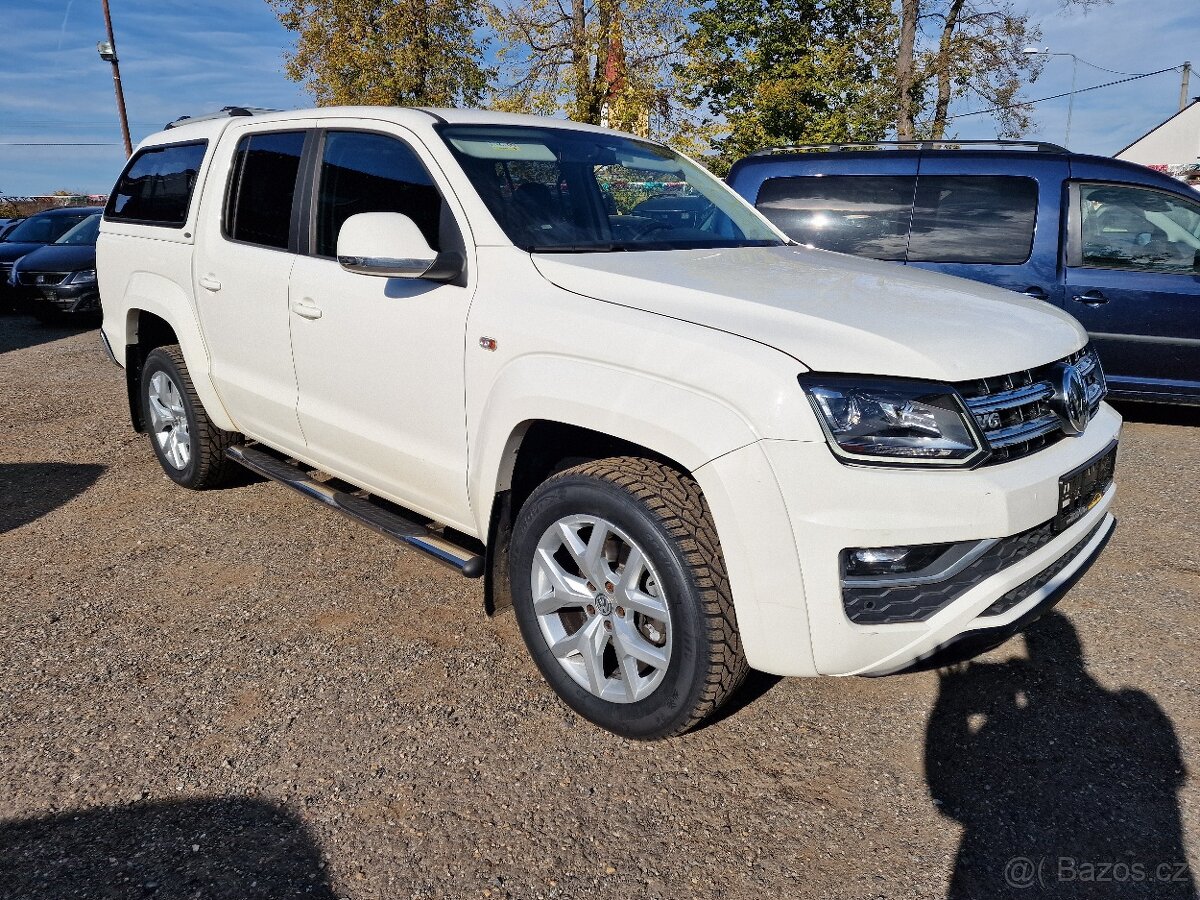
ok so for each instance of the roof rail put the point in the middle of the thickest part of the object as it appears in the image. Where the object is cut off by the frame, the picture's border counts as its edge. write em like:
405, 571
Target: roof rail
223, 113
1038, 146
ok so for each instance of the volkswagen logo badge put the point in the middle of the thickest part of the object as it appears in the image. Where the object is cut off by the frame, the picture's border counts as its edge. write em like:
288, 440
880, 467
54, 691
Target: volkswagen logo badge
1070, 400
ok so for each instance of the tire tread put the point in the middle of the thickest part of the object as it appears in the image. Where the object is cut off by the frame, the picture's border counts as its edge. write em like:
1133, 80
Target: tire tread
209, 442
678, 504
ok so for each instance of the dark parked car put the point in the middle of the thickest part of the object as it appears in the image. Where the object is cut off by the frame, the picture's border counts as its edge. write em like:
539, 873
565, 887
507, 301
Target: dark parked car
61, 277
36, 231
1115, 244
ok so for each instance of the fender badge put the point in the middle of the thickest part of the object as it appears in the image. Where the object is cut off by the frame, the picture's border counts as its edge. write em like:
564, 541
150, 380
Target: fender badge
487, 343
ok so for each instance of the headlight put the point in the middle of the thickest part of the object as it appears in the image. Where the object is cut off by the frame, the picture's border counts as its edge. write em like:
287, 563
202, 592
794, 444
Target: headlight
893, 422
86, 276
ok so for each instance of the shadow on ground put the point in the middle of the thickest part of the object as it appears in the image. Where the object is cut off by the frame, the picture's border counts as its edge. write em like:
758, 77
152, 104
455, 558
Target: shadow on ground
30, 490
1159, 414
18, 332
1060, 784
221, 849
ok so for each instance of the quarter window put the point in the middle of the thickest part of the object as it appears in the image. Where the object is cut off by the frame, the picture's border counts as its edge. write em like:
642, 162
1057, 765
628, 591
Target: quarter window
859, 214
156, 187
1134, 228
362, 173
973, 219
262, 188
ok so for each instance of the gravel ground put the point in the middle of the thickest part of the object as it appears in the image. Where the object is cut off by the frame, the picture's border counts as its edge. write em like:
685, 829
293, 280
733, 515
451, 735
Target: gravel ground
235, 695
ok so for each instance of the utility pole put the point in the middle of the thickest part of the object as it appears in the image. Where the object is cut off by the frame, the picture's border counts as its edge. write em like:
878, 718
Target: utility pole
108, 52
1183, 87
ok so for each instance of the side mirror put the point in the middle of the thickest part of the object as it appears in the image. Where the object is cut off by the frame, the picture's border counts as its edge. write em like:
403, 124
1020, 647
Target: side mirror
390, 245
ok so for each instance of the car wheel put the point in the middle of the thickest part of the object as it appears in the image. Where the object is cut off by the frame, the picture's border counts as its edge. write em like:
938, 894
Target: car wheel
620, 592
190, 448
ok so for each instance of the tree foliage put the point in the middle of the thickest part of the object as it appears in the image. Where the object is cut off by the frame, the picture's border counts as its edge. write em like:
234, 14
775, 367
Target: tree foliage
772, 72
607, 62
966, 50
726, 75
387, 52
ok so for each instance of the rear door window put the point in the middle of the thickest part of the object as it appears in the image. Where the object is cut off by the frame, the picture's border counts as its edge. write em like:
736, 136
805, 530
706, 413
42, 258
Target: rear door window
156, 187
262, 189
362, 172
973, 219
865, 215
1137, 228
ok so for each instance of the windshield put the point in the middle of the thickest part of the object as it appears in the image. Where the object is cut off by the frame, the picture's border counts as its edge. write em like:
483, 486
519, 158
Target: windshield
564, 191
44, 229
85, 233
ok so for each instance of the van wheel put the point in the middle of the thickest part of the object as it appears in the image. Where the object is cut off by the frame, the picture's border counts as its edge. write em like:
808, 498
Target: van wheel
620, 591
190, 448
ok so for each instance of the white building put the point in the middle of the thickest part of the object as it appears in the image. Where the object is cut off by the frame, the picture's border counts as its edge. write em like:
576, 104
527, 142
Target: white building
1173, 146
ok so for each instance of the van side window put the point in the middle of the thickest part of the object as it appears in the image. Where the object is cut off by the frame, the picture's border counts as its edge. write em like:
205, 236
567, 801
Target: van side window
363, 172
156, 187
262, 185
1134, 228
973, 219
865, 215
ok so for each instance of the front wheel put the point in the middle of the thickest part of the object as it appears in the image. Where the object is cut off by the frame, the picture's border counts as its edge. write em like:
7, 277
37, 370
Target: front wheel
620, 591
190, 448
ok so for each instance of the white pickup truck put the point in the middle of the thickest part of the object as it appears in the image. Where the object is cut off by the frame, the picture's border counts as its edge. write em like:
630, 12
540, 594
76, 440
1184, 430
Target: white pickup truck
572, 362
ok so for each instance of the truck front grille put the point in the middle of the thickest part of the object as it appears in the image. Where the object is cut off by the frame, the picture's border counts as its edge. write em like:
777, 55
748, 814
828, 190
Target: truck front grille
1014, 410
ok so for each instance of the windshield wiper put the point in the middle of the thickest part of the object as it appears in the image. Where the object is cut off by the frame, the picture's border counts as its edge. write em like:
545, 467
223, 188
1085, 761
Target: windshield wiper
575, 248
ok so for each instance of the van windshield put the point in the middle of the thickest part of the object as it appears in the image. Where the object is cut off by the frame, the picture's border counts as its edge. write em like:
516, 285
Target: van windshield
558, 190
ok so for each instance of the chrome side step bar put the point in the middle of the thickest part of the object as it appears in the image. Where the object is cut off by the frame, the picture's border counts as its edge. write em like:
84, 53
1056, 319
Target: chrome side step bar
389, 524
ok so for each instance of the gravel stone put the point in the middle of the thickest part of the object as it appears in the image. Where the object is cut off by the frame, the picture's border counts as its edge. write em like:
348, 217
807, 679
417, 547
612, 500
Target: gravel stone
235, 694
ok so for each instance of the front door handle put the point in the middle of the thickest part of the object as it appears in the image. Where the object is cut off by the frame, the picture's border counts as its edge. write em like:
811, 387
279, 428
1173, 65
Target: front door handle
306, 308
209, 283
1036, 292
1091, 298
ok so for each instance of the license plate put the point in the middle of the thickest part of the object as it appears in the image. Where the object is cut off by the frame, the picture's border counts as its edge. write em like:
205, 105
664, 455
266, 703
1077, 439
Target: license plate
50, 295
1081, 489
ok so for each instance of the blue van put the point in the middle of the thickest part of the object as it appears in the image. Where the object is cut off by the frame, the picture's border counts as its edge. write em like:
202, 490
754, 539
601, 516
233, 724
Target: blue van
1115, 244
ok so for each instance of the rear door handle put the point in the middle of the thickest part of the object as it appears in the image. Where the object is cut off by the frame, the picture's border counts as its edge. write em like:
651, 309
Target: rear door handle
209, 283
306, 308
1036, 292
1091, 298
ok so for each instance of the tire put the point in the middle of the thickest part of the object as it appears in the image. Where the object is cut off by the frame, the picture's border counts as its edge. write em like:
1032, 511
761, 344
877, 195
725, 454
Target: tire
169, 401
655, 649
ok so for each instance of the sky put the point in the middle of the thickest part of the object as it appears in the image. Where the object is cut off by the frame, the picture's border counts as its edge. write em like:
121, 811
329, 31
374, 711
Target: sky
192, 56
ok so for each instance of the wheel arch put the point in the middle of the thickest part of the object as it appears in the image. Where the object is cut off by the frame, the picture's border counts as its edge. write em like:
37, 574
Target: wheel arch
158, 313
535, 448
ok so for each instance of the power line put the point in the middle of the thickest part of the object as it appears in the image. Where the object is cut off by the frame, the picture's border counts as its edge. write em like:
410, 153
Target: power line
1094, 87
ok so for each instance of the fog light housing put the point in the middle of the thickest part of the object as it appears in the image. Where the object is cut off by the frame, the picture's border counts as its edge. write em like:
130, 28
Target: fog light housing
858, 562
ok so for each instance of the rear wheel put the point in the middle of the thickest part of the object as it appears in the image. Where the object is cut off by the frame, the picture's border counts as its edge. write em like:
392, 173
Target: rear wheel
190, 448
620, 591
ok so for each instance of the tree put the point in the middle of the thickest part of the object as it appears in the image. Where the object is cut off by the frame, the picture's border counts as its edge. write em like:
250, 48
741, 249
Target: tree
954, 49
386, 52
606, 62
771, 72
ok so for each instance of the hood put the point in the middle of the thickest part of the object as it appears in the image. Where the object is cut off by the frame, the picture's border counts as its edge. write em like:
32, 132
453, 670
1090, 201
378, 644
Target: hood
832, 312
59, 258
12, 251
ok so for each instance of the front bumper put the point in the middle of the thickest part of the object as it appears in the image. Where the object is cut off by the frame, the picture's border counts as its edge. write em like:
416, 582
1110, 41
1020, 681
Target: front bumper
969, 644
71, 298
830, 507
